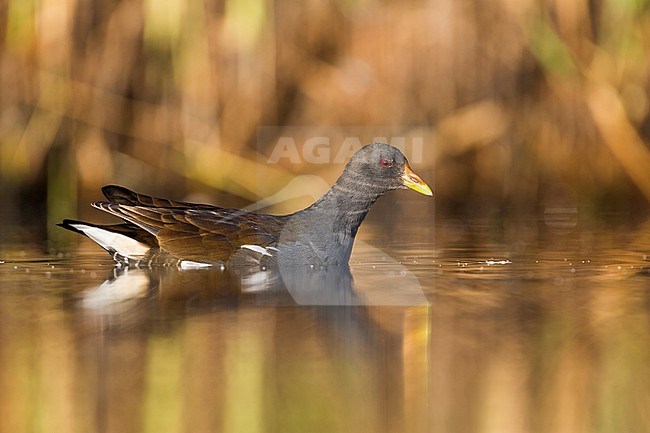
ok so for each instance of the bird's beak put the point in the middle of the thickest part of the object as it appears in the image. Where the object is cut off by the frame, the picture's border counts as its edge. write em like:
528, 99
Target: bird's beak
413, 181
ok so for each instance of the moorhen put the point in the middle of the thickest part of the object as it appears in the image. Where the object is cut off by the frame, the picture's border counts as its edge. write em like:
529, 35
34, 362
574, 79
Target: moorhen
167, 232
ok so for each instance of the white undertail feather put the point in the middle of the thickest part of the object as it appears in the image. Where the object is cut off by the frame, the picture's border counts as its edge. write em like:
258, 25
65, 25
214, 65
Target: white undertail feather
124, 245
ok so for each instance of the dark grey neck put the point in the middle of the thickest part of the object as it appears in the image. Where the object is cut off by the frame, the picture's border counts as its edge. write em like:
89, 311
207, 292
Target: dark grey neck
347, 203
325, 231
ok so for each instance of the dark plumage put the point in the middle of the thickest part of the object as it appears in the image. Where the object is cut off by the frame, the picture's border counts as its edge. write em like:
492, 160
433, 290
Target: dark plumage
161, 231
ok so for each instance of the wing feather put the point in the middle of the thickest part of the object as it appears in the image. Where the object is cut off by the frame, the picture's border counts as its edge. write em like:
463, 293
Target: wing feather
204, 233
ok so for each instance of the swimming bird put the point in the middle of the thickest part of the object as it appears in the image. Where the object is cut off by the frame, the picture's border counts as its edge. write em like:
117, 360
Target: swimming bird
158, 231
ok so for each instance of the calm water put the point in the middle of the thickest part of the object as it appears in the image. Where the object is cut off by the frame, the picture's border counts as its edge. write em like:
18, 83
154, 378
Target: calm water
465, 328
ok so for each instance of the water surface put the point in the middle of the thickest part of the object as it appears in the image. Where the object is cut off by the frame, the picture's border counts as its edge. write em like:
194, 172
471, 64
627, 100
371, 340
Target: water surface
476, 329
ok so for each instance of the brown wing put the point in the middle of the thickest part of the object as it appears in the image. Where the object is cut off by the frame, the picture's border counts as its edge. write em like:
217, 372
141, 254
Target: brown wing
120, 195
207, 233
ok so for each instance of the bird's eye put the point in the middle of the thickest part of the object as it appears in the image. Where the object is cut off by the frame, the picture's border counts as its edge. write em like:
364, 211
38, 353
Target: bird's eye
386, 162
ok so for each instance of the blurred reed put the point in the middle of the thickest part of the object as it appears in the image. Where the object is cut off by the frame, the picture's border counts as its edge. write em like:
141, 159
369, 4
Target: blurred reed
518, 99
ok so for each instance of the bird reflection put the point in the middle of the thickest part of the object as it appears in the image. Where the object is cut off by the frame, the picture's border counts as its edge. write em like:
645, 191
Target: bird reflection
203, 325
128, 287
280, 285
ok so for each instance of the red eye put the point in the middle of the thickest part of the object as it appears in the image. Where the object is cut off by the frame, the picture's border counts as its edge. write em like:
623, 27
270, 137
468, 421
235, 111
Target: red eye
386, 162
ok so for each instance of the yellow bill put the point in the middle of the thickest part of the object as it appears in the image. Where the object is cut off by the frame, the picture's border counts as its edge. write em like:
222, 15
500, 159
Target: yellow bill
413, 181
